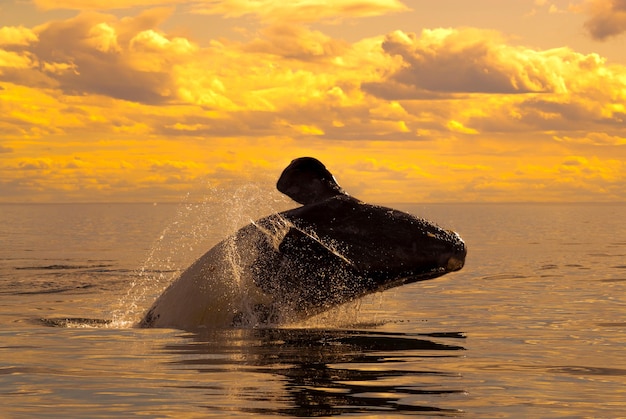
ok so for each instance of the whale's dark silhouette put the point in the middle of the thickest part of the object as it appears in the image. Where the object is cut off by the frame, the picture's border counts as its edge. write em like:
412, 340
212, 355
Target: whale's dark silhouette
300, 262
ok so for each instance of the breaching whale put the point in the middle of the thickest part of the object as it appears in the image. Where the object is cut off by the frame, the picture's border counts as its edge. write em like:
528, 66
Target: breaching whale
297, 263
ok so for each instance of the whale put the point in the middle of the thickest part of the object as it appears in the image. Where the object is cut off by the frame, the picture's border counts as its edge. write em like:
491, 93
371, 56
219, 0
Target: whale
291, 265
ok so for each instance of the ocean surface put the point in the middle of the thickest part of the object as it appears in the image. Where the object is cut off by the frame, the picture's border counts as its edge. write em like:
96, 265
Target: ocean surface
534, 326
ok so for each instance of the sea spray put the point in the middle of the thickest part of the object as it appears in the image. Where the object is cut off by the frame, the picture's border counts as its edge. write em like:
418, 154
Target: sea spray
199, 224
236, 284
250, 313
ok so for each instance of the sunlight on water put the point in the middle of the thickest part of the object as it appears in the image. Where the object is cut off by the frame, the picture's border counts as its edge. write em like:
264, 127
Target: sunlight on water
533, 326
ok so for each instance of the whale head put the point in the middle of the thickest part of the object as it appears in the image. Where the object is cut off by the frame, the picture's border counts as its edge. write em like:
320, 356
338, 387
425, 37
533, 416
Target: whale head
340, 248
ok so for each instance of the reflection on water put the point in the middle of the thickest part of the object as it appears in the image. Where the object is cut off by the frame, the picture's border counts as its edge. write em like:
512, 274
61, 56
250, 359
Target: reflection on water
330, 372
84, 368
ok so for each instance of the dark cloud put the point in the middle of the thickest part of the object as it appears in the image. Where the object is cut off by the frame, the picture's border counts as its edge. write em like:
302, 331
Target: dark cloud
99, 54
548, 114
466, 70
104, 71
396, 90
442, 62
607, 18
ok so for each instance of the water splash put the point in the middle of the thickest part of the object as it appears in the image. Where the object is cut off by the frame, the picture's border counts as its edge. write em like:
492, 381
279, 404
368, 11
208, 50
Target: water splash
199, 224
74, 322
197, 227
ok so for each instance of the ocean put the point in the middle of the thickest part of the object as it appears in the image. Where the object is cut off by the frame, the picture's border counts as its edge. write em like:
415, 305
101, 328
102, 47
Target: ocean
534, 326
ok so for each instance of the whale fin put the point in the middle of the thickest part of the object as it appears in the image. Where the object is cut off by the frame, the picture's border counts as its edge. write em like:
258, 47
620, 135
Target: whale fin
307, 181
297, 279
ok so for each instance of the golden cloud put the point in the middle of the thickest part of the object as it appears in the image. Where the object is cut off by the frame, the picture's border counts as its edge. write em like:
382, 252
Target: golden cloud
264, 10
290, 78
14, 60
103, 38
99, 4
16, 35
99, 54
299, 11
594, 139
297, 42
468, 61
119, 107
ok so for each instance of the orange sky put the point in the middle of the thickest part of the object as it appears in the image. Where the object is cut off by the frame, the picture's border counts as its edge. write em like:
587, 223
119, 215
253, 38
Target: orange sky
404, 101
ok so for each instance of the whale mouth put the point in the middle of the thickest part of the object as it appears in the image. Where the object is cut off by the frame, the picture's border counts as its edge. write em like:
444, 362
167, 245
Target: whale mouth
455, 264
456, 259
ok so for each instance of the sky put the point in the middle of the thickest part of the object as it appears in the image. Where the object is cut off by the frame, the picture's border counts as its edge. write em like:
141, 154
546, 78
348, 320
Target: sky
402, 100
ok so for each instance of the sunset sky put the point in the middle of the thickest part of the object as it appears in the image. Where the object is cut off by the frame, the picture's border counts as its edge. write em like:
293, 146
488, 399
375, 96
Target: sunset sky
404, 101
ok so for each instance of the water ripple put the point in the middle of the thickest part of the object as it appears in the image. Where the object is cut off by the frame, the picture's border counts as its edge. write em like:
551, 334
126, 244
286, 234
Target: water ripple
330, 372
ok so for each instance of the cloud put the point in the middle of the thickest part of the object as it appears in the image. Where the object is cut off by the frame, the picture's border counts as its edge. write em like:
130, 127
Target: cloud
35, 164
547, 6
100, 4
16, 35
447, 113
477, 82
297, 42
291, 80
300, 11
100, 54
607, 18
595, 139
169, 166
448, 61
275, 11
15, 60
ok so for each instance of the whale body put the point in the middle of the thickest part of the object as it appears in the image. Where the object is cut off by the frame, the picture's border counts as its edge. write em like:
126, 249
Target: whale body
294, 264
